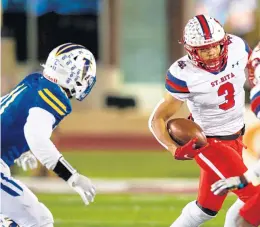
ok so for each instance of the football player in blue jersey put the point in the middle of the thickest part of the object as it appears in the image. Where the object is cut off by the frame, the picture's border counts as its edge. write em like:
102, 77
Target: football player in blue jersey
29, 114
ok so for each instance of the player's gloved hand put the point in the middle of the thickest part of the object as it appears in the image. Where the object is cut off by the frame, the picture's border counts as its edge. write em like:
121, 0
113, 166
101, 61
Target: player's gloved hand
188, 151
83, 186
223, 186
27, 161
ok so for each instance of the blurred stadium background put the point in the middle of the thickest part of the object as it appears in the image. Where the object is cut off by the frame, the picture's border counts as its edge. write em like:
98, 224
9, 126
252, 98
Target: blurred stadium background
107, 137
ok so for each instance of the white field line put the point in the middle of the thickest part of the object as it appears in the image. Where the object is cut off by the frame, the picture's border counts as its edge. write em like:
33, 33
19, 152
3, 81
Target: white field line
56, 185
121, 223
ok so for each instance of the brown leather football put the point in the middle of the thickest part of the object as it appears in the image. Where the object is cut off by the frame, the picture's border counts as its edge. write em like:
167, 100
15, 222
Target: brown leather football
183, 130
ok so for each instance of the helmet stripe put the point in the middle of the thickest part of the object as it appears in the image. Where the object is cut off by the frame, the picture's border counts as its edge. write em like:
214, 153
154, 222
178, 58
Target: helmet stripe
69, 48
63, 46
205, 26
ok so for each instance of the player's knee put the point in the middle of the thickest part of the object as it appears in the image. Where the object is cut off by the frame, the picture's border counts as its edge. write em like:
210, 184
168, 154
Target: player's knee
46, 217
192, 216
197, 214
206, 210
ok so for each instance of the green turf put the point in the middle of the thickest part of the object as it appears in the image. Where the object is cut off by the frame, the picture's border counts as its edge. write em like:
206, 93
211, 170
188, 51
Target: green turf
141, 210
131, 164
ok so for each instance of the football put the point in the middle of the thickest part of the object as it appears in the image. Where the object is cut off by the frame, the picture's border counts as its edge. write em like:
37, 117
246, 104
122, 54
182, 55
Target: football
182, 130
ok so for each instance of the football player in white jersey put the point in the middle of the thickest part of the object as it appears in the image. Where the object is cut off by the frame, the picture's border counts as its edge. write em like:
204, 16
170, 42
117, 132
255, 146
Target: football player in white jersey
211, 79
250, 213
29, 114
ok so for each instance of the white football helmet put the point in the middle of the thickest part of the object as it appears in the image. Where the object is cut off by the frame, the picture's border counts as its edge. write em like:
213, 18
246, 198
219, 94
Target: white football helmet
73, 67
254, 66
204, 32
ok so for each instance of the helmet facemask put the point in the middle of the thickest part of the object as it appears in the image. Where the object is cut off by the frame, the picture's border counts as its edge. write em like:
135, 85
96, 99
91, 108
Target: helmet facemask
86, 80
211, 65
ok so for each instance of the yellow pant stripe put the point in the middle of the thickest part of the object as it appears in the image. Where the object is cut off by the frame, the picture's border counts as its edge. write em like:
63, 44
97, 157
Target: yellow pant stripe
54, 98
49, 102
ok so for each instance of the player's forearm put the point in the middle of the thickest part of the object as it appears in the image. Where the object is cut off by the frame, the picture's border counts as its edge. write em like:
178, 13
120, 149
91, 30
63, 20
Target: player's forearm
159, 130
157, 121
253, 174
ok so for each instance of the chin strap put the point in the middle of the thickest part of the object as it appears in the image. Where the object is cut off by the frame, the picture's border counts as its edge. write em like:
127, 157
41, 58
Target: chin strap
67, 92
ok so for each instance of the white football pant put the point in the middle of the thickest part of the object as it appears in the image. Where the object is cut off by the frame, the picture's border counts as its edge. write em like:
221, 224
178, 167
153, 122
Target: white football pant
19, 203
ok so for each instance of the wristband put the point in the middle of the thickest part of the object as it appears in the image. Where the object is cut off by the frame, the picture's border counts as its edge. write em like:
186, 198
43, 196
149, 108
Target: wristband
243, 181
63, 169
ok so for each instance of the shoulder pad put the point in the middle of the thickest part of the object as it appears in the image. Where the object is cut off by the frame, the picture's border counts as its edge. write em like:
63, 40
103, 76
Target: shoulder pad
52, 98
175, 81
255, 99
237, 43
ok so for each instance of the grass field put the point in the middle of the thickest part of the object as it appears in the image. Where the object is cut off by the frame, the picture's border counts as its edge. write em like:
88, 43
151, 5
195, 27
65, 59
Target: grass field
139, 210
126, 210
137, 164
123, 164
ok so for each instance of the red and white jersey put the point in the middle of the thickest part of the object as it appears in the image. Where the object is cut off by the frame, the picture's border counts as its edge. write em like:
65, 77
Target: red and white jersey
255, 100
255, 92
216, 101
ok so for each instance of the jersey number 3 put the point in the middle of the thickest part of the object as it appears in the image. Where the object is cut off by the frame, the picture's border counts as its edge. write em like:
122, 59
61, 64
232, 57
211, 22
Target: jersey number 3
228, 90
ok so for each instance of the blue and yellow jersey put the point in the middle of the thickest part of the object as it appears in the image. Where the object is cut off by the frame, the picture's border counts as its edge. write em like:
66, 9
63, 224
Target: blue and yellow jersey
33, 91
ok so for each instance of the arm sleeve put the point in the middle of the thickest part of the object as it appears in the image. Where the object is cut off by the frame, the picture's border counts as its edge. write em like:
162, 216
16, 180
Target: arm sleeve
256, 168
253, 174
37, 131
